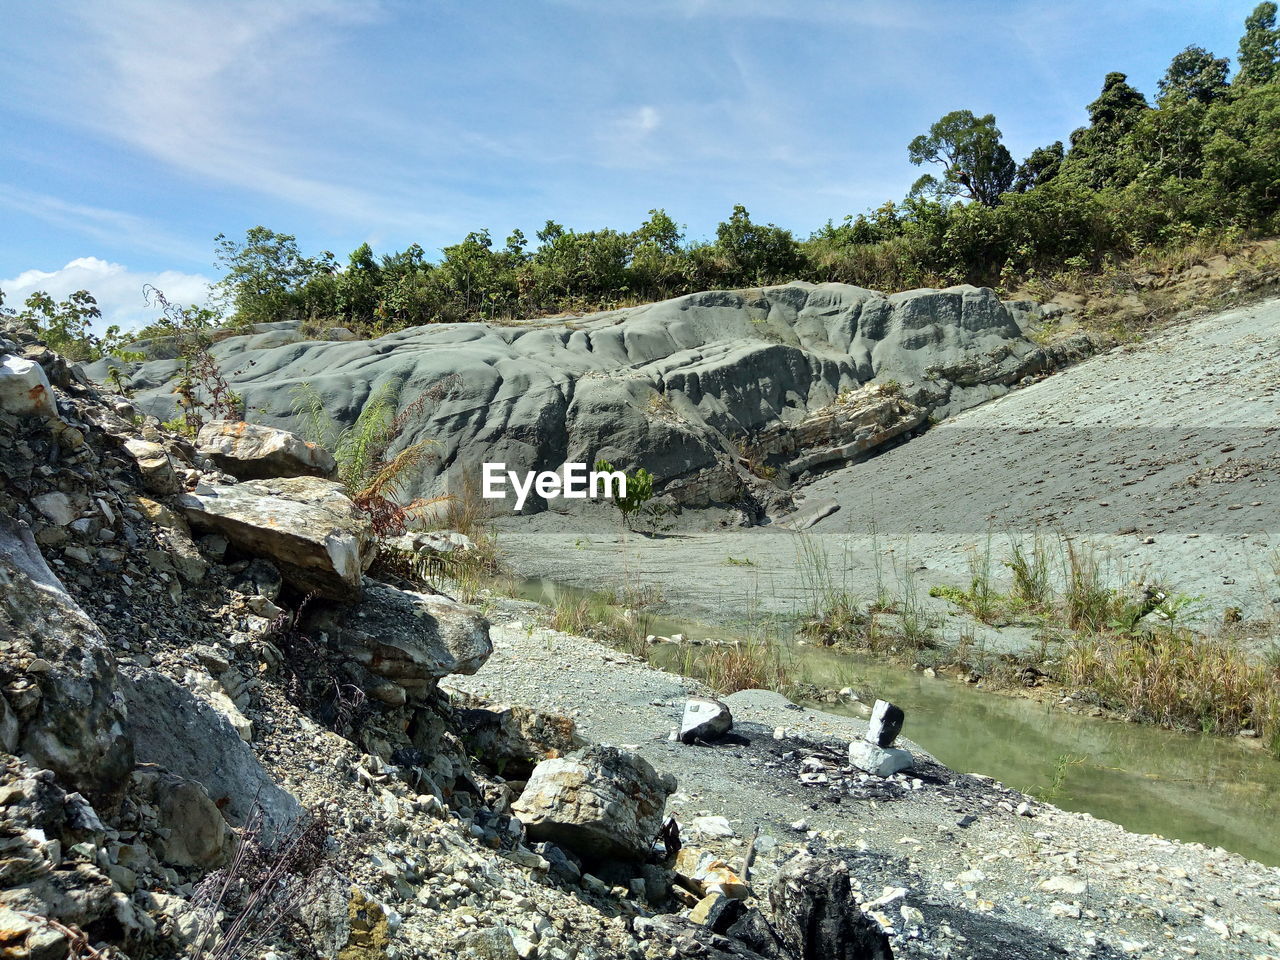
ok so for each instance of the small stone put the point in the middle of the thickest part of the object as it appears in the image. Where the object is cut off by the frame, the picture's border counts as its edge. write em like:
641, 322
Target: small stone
1069, 911
711, 827
56, 508
1072, 886
885, 725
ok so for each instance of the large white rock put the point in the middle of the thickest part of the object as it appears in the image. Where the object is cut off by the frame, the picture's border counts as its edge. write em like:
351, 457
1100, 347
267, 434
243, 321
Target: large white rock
24, 388
252, 452
600, 802
878, 760
318, 538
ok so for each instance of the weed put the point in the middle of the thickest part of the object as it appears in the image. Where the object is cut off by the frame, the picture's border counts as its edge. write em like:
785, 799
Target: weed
740, 666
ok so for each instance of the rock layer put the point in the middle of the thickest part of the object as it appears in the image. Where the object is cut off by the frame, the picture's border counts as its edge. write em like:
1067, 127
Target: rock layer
677, 387
316, 536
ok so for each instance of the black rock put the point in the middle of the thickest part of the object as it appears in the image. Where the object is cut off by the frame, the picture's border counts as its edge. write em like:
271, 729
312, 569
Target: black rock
886, 724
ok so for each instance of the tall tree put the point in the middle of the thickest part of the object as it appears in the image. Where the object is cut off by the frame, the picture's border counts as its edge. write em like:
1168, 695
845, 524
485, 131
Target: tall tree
264, 275
1096, 159
1041, 166
1194, 76
1259, 47
975, 164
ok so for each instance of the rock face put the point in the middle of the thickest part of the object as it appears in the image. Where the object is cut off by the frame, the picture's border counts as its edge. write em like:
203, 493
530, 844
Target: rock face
251, 452
24, 388
316, 536
667, 386
600, 802
704, 719
412, 639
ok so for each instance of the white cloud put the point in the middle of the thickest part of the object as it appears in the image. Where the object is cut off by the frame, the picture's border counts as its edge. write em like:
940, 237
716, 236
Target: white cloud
117, 289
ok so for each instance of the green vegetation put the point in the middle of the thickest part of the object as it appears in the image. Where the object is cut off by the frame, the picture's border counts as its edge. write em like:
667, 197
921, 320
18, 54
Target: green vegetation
639, 491
740, 665
66, 325
372, 476
892, 622
1127, 649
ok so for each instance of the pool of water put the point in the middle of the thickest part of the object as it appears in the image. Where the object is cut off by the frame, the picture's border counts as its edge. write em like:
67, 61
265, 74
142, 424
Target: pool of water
1217, 791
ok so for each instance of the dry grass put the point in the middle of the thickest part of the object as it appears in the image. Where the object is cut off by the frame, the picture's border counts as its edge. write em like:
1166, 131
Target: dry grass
1177, 678
740, 666
624, 627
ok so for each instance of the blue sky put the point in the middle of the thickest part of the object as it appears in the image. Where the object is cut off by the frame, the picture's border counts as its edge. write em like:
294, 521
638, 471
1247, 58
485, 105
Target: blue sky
135, 131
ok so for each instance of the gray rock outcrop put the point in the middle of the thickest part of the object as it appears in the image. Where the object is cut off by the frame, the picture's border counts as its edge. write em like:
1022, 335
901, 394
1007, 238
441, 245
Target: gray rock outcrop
62, 710
674, 387
316, 536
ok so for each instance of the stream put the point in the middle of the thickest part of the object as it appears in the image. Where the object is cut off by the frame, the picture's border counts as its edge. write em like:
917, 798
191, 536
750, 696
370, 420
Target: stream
1192, 787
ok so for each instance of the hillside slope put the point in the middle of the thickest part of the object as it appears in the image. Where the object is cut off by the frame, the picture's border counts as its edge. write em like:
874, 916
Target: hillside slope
1163, 453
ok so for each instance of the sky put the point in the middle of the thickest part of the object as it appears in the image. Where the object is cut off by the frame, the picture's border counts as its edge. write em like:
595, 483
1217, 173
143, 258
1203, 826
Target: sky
135, 131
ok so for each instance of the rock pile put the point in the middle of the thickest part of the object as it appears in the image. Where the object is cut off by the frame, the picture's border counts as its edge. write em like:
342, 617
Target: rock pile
875, 753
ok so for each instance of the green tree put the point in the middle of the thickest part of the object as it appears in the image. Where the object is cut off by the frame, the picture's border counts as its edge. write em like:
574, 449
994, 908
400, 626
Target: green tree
1194, 75
1259, 55
1096, 159
975, 164
754, 254
66, 326
1041, 166
359, 286
264, 275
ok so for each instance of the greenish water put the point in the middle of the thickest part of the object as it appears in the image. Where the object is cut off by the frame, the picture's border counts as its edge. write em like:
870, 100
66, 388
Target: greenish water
1220, 792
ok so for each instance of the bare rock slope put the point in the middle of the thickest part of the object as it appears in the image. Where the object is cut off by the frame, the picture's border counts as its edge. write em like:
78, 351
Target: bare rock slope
672, 386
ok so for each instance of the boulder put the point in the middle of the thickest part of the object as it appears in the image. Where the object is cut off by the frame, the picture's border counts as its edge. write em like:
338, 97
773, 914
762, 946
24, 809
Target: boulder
412, 639
308, 527
154, 466
601, 802
817, 917
170, 726
704, 719
885, 725
24, 388
878, 760
192, 831
64, 716
516, 736
248, 451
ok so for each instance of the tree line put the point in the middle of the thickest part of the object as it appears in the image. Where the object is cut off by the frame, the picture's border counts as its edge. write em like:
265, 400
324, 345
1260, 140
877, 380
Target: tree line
1201, 159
